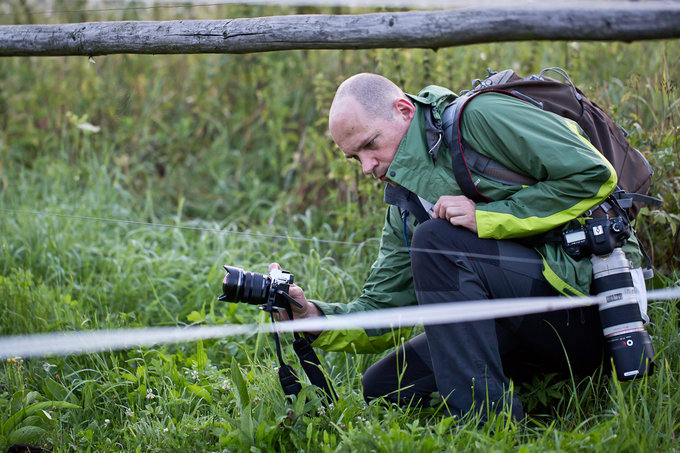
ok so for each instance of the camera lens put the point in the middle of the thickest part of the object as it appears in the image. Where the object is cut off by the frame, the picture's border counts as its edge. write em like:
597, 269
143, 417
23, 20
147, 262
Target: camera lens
627, 342
241, 286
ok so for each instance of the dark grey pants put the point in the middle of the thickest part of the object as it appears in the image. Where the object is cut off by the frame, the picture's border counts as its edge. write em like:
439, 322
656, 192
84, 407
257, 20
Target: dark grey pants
469, 363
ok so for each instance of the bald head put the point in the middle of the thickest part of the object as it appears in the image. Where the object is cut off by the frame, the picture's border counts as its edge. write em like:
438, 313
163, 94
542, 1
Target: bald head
374, 93
368, 119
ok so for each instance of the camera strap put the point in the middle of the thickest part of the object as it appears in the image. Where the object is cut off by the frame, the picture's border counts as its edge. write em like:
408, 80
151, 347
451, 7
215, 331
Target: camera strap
289, 381
311, 365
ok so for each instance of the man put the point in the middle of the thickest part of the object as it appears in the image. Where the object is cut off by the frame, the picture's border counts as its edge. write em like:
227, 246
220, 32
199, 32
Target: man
469, 364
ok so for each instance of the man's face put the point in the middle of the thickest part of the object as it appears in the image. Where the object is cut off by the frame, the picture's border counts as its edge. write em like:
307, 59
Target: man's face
373, 141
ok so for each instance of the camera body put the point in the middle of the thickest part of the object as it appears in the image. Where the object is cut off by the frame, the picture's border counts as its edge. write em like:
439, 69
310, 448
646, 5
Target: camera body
268, 291
599, 236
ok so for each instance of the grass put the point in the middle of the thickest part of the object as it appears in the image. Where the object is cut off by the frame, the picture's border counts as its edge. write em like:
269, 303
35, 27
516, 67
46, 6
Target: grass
239, 143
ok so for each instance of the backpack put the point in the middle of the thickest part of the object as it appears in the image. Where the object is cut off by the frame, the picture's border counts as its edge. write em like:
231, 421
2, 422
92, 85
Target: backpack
632, 169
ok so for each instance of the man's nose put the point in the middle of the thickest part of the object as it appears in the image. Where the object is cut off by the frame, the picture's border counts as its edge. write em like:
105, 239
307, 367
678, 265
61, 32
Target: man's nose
367, 166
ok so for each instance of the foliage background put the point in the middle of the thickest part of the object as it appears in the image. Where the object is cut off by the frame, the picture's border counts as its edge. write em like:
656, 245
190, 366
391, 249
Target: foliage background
240, 143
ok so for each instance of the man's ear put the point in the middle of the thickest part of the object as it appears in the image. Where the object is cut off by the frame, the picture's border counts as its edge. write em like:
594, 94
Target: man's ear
405, 108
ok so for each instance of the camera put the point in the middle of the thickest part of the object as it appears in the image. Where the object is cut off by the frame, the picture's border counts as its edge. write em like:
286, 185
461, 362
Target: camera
268, 291
626, 341
599, 236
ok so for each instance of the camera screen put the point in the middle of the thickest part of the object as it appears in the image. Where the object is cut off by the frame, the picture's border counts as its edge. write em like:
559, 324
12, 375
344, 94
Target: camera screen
575, 236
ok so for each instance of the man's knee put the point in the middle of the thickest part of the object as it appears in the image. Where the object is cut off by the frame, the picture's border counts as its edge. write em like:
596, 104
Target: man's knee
372, 387
439, 234
441, 263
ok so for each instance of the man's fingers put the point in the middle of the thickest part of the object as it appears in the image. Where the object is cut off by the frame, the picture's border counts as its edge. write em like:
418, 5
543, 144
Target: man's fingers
454, 211
435, 210
295, 291
280, 315
273, 266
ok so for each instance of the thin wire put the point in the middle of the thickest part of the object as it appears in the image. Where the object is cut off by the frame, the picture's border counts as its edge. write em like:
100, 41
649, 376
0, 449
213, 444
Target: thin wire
182, 227
129, 8
480, 256
439, 4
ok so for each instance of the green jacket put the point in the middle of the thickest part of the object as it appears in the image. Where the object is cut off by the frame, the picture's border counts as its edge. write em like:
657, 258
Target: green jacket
573, 175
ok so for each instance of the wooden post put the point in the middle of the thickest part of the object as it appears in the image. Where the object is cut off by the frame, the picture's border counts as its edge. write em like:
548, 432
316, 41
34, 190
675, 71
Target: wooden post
423, 29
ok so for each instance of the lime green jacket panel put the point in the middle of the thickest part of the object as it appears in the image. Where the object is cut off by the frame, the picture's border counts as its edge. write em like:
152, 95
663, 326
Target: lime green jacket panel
573, 176
362, 341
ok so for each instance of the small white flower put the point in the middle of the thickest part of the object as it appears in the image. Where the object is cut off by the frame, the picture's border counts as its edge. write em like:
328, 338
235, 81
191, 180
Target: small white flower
226, 385
321, 412
88, 127
47, 366
149, 394
129, 413
107, 421
194, 375
165, 430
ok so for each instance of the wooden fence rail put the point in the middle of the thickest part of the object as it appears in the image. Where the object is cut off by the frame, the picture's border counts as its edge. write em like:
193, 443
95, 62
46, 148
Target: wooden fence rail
423, 29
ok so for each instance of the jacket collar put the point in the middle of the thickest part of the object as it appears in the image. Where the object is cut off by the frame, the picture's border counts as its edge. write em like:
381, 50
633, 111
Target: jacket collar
413, 167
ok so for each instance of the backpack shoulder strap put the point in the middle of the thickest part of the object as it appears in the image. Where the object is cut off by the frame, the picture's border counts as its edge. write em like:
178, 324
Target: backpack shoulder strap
454, 141
493, 170
464, 158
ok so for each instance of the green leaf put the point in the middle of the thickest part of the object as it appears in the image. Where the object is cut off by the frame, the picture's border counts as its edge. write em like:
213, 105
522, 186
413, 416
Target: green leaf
246, 432
200, 392
16, 403
128, 376
141, 372
300, 400
34, 420
54, 390
31, 398
240, 384
26, 435
31, 410
195, 316
201, 356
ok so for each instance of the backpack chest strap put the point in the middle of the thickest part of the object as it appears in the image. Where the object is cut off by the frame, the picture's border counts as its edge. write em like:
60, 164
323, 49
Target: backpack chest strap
406, 201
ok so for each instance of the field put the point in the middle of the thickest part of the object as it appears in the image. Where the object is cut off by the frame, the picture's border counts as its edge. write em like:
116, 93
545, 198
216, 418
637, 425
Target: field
236, 147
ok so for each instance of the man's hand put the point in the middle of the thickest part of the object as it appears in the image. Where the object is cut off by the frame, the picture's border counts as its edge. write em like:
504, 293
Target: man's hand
459, 210
308, 310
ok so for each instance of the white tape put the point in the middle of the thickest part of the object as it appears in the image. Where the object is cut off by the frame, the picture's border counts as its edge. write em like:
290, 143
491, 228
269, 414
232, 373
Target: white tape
81, 342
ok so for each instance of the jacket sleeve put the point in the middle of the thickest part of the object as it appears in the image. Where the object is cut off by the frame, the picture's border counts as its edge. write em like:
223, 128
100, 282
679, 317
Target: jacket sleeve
389, 284
573, 176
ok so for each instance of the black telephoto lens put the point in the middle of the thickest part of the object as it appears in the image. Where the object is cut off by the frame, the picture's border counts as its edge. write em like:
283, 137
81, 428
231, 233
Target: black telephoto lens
241, 286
